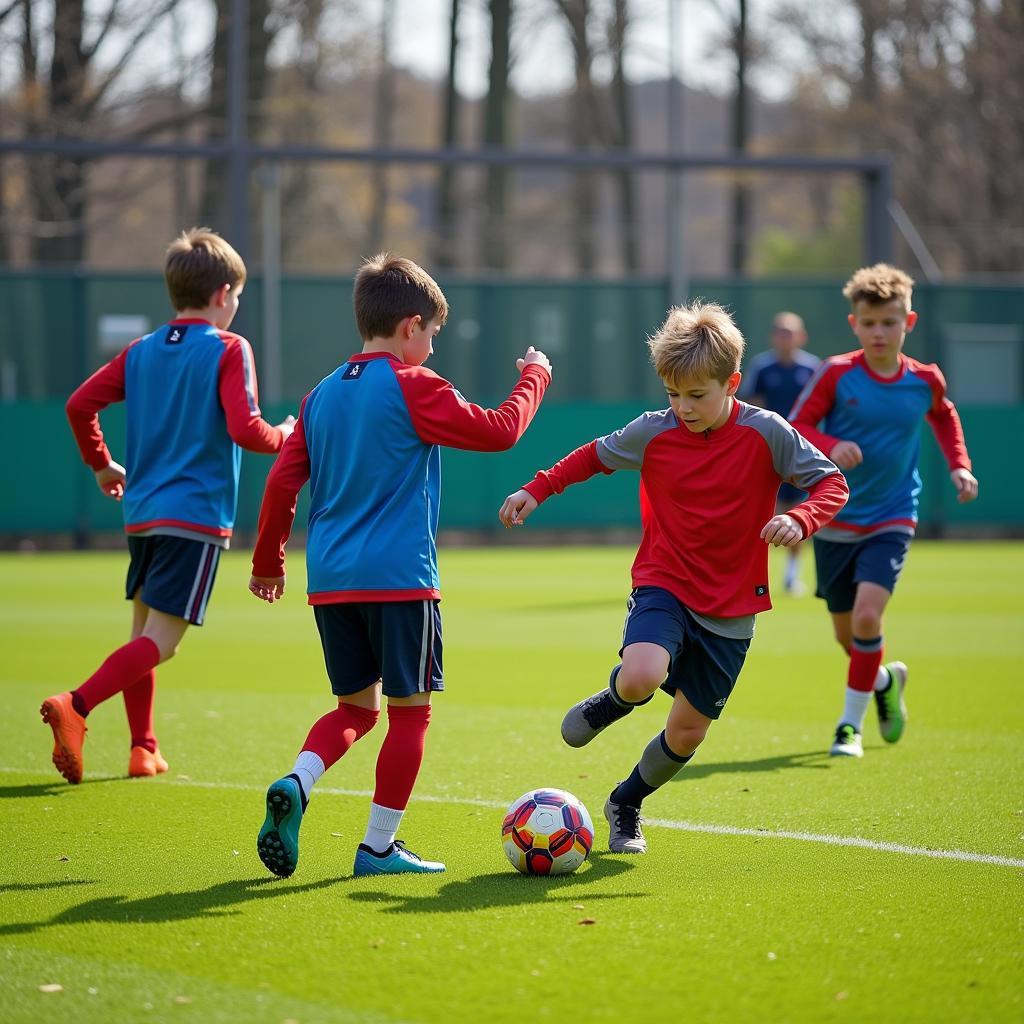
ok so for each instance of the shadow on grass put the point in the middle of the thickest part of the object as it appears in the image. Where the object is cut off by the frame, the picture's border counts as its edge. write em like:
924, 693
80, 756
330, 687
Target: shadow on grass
214, 901
49, 788
60, 883
505, 888
814, 759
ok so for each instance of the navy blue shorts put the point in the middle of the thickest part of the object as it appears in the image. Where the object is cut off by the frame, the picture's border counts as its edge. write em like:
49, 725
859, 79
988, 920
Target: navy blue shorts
172, 574
841, 567
398, 642
704, 666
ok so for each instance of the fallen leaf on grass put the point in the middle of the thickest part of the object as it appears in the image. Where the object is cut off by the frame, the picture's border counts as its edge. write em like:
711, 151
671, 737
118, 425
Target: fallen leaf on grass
63, 856
587, 920
51, 988
181, 1000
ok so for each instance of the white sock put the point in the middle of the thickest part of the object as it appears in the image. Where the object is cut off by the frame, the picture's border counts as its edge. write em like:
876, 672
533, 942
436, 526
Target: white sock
792, 571
382, 827
308, 767
883, 679
855, 708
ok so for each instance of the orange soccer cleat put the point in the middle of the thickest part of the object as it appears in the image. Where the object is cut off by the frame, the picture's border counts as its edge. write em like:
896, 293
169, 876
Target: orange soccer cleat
69, 731
143, 763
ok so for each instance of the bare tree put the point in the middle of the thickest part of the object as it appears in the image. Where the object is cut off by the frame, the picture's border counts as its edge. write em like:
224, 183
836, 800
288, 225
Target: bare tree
445, 244
495, 237
383, 115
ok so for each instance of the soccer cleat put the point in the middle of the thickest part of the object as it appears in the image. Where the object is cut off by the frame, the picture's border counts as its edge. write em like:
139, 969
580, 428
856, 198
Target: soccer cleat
892, 708
69, 731
625, 835
143, 763
847, 742
585, 720
396, 860
278, 841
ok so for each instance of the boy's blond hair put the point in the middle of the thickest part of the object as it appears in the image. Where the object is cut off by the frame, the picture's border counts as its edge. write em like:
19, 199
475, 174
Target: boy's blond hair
879, 284
199, 262
697, 342
390, 288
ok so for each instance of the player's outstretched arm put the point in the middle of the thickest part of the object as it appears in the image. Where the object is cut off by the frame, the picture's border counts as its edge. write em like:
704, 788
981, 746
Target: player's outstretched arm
516, 508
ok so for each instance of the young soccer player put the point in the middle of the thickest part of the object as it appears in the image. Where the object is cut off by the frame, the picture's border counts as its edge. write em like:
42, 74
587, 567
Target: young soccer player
368, 440
710, 468
773, 380
190, 397
870, 404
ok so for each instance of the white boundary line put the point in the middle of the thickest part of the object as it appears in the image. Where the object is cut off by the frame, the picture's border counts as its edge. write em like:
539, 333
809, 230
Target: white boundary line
964, 856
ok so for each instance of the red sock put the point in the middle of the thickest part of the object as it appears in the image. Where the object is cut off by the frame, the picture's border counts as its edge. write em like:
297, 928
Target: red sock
332, 735
121, 669
865, 659
138, 706
401, 754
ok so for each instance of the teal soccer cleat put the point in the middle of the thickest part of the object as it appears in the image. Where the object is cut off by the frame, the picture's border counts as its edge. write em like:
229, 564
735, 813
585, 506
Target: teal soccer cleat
396, 861
890, 703
278, 841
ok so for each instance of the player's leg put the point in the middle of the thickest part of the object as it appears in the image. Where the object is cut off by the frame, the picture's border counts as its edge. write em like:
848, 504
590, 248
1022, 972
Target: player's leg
176, 577
791, 582
354, 673
407, 636
145, 758
651, 632
704, 673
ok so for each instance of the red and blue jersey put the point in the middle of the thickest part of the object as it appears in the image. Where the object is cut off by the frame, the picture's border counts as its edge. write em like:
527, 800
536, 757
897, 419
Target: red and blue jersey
368, 440
847, 401
191, 405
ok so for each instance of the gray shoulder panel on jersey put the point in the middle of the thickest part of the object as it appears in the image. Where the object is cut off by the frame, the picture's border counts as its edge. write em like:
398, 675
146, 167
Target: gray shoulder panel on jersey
796, 460
625, 448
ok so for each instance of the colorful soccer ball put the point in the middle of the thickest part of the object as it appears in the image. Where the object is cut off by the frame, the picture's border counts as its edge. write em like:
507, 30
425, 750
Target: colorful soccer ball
547, 832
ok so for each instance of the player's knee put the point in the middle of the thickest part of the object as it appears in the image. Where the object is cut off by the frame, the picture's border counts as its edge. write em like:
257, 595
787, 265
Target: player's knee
684, 738
638, 683
866, 622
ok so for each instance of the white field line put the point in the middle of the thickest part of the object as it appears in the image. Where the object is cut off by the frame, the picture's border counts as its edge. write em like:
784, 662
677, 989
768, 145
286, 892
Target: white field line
680, 826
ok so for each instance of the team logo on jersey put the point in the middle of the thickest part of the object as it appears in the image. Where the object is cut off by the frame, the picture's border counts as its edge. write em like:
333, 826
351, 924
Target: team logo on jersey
721, 703
353, 372
176, 335
761, 589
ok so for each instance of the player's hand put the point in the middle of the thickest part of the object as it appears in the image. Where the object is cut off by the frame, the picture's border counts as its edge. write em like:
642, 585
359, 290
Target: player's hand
966, 484
533, 357
846, 454
516, 508
267, 588
782, 531
110, 481
286, 426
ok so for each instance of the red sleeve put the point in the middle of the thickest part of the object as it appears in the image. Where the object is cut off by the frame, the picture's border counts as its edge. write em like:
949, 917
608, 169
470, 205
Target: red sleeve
277, 511
440, 415
240, 399
944, 420
814, 404
824, 499
103, 388
576, 467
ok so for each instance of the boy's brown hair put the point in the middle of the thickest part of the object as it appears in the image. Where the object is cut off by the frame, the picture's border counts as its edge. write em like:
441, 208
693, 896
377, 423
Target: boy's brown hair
879, 284
390, 288
199, 262
697, 342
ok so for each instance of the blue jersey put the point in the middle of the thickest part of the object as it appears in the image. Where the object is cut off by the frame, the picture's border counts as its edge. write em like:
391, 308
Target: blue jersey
847, 401
368, 440
778, 384
190, 401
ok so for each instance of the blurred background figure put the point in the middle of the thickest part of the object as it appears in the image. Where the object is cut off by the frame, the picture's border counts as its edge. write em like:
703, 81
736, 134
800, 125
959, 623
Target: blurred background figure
773, 379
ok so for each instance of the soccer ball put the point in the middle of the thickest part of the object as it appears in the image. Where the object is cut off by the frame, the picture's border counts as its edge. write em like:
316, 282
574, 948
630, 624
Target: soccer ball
547, 832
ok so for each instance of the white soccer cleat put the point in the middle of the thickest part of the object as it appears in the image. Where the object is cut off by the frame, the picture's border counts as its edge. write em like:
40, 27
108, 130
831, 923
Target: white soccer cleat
847, 742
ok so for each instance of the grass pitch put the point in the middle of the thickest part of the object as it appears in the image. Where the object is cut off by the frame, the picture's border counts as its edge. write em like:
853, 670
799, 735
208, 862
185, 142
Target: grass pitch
144, 900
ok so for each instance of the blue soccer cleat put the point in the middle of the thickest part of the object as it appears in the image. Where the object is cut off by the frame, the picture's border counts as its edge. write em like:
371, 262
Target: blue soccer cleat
395, 861
278, 841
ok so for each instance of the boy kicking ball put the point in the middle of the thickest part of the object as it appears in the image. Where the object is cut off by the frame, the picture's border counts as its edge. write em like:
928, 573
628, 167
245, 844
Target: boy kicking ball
710, 468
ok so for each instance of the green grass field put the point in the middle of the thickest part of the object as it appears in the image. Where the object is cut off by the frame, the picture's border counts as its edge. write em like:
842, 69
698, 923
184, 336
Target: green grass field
145, 900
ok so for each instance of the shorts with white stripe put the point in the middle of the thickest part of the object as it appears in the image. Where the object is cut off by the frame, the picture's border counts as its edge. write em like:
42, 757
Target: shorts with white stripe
398, 642
174, 575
